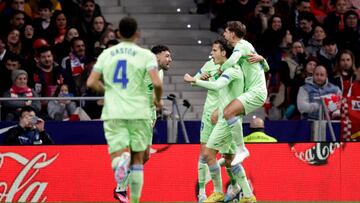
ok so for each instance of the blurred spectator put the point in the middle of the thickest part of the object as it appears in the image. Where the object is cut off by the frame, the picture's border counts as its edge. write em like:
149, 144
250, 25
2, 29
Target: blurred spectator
77, 66
344, 71
284, 8
355, 86
63, 49
46, 74
291, 66
42, 23
327, 54
84, 19
291, 111
276, 56
334, 21
17, 5
97, 31
17, 20
308, 98
27, 40
349, 38
13, 42
29, 131
4, 53
104, 39
307, 23
11, 63
315, 42
19, 89
59, 25
61, 109
258, 20
271, 37
257, 133
34, 5
292, 21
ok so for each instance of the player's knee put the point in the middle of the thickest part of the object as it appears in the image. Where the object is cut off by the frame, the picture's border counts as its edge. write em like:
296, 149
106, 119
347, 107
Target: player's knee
208, 157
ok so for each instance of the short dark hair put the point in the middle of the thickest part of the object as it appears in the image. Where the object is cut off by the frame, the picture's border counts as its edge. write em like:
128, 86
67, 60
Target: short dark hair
27, 109
127, 27
159, 48
237, 27
45, 4
74, 39
224, 47
43, 49
85, 1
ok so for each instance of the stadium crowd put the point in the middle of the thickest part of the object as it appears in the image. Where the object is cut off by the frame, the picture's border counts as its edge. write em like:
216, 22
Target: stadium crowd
56, 43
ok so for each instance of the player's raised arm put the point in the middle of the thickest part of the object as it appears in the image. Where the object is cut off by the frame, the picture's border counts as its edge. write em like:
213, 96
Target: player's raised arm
211, 85
157, 84
94, 82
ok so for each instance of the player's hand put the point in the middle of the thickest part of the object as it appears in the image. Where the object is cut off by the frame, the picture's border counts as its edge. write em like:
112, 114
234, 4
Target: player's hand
159, 104
254, 58
188, 78
205, 76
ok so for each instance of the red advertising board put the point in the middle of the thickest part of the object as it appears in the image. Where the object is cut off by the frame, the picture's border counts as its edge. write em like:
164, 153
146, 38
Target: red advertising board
278, 172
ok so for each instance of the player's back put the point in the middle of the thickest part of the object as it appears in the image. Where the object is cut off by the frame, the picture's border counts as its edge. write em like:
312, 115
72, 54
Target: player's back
254, 76
125, 67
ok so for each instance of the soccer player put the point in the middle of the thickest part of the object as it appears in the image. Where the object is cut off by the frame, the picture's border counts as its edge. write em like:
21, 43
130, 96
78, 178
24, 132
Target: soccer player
123, 68
255, 85
209, 71
229, 85
163, 57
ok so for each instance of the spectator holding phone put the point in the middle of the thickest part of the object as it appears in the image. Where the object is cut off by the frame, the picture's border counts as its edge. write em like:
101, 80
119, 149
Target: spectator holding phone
29, 131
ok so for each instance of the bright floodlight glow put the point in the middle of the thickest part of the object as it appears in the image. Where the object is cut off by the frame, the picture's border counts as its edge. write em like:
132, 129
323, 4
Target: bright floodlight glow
199, 41
188, 26
210, 57
178, 10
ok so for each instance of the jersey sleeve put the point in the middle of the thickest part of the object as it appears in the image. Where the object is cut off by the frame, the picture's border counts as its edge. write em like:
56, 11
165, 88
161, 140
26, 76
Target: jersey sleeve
151, 62
226, 77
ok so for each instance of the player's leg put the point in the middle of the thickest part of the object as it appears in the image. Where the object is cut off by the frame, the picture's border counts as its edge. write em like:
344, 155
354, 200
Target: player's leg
219, 140
203, 169
117, 137
140, 131
244, 104
240, 174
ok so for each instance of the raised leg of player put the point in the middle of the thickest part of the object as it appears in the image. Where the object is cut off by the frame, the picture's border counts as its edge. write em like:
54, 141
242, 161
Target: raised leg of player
231, 115
136, 178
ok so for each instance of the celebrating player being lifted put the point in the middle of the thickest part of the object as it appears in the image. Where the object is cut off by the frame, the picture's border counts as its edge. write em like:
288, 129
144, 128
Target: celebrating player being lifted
123, 68
228, 85
255, 91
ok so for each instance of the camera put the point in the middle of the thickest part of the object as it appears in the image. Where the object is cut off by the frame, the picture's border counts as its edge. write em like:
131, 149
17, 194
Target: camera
265, 9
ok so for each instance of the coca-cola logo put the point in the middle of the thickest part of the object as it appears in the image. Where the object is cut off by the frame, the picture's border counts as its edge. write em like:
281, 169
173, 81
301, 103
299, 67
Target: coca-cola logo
318, 154
32, 191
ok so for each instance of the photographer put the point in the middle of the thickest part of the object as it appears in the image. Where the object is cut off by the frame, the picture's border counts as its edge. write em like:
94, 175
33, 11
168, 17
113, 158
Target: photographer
29, 131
